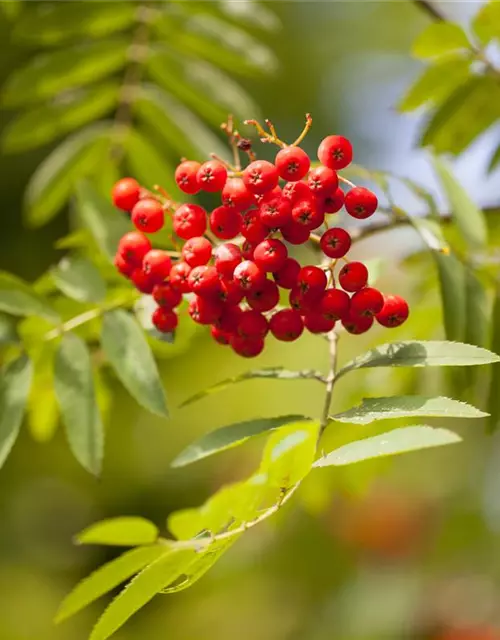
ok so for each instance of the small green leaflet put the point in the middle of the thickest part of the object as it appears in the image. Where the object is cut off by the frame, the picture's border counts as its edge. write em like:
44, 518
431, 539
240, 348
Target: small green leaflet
107, 577
74, 387
372, 409
451, 274
425, 353
230, 436
15, 383
130, 355
79, 279
392, 443
277, 373
440, 38
19, 299
486, 22
123, 532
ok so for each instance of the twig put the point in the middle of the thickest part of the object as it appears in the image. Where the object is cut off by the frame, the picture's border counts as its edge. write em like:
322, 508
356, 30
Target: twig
430, 9
330, 381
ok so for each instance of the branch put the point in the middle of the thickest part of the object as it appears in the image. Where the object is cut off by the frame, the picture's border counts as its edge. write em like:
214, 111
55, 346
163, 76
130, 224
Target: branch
430, 9
330, 381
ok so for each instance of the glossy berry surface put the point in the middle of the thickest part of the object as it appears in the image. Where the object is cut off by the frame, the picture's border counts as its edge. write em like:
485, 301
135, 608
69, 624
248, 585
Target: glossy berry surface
335, 152
353, 276
148, 216
125, 194
335, 242
185, 176
394, 312
360, 203
211, 176
292, 163
189, 220
260, 176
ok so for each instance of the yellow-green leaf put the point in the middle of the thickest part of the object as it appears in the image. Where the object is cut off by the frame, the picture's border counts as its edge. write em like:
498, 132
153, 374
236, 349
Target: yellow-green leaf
124, 532
486, 23
440, 38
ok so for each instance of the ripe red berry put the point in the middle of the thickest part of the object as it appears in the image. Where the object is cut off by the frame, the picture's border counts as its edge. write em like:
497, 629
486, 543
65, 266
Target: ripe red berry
157, 264
357, 324
295, 191
366, 302
197, 251
148, 216
270, 255
247, 347
204, 310
252, 324
322, 181
167, 296
264, 298
287, 276
126, 193
295, 233
179, 275
220, 336
269, 195
394, 312
204, 281
360, 203
124, 267
249, 276
190, 220
331, 202
227, 257
311, 282
335, 152
228, 320
247, 249
353, 276
260, 176
211, 176
185, 176
230, 292
225, 223
292, 163
335, 242
286, 325
275, 213
236, 195
133, 247
252, 228
165, 320
317, 323
334, 304
306, 213
142, 281
304, 303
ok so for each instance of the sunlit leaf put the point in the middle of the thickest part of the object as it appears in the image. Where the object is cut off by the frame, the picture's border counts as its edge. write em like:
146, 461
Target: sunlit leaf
451, 273
43, 411
19, 299
186, 523
391, 443
486, 22
123, 532
15, 382
438, 39
79, 279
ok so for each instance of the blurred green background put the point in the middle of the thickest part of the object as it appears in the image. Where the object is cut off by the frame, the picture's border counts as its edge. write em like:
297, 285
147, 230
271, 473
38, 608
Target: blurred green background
391, 549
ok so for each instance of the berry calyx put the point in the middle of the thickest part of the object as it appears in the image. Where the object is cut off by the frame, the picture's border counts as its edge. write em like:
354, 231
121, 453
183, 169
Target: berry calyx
394, 312
335, 152
275, 213
165, 320
197, 251
353, 276
311, 282
331, 202
360, 203
260, 176
185, 176
252, 228
367, 302
270, 255
249, 276
126, 193
286, 325
292, 163
335, 242
307, 214
189, 220
204, 281
295, 191
133, 247
322, 181
211, 176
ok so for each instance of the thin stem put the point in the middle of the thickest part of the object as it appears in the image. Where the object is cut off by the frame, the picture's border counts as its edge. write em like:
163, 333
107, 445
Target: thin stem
234, 137
350, 184
330, 381
305, 130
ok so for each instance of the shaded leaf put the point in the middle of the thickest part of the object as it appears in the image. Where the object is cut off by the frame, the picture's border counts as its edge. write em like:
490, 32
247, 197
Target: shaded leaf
124, 532
230, 436
495, 160
147, 164
8, 330
494, 394
129, 353
477, 310
10, 8
392, 443
19, 299
15, 383
75, 393
79, 279
438, 39
372, 409
451, 273
486, 22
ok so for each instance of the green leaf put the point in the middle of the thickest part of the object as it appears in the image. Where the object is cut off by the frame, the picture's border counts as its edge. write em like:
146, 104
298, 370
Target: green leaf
155, 577
75, 393
15, 383
425, 353
8, 330
477, 310
486, 22
495, 160
372, 409
48, 74
469, 218
430, 232
436, 83
277, 373
440, 38
123, 532
10, 8
494, 395
451, 275
186, 523
388, 444
57, 23
128, 352
46, 123
43, 411
147, 164
107, 577
79, 279
50, 186
229, 437
289, 454
19, 299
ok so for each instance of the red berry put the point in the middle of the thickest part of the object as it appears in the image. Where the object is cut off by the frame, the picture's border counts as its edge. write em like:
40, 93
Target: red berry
317, 323
133, 247
247, 347
287, 276
167, 296
322, 181
197, 251
353, 276
367, 302
275, 213
230, 291
270, 255
306, 213
335, 242
236, 195
394, 312
190, 220
165, 320
265, 297
360, 203
211, 176
157, 264
252, 324
335, 152
124, 267
286, 325
142, 281
295, 191
249, 276
260, 176
225, 222
179, 275
334, 304
252, 228
269, 195
357, 324
247, 249
204, 310
185, 176
312, 282
228, 320
148, 216
227, 257
295, 233
126, 193
204, 281
292, 163
303, 303
331, 202
220, 336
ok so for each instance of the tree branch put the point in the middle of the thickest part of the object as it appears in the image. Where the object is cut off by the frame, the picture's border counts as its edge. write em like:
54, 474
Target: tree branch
330, 381
430, 9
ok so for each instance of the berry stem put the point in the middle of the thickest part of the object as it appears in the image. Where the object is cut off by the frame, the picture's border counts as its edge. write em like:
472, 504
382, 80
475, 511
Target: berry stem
350, 184
228, 165
234, 137
305, 130
264, 135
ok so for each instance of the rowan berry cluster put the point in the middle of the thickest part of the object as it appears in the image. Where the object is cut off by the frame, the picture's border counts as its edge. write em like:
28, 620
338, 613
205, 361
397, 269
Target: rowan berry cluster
251, 286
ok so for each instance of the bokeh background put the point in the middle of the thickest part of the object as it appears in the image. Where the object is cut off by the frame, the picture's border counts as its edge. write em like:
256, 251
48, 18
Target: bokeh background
392, 549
